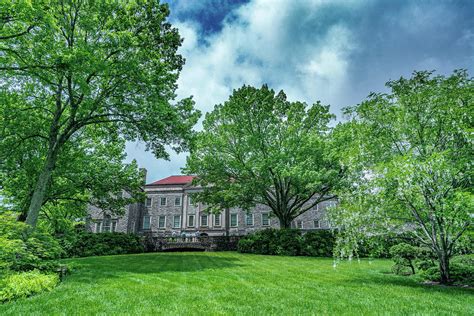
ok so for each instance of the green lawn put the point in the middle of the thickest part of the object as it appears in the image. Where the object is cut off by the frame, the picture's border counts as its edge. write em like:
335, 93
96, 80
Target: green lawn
232, 283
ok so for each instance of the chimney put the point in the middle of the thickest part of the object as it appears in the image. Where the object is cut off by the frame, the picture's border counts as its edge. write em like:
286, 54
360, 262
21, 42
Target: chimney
143, 174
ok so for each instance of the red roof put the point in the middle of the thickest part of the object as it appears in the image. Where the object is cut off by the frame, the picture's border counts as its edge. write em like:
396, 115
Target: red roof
174, 180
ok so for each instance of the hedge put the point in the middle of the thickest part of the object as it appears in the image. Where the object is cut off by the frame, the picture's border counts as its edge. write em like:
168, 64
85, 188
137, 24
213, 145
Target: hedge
289, 242
91, 244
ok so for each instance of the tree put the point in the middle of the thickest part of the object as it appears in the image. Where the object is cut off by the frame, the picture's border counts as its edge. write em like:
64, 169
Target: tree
410, 156
82, 177
77, 68
259, 148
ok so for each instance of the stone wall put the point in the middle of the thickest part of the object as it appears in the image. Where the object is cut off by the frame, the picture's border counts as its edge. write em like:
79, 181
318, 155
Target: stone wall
133, 219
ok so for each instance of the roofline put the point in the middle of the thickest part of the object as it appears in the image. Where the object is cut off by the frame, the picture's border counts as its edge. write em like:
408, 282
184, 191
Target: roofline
153, 184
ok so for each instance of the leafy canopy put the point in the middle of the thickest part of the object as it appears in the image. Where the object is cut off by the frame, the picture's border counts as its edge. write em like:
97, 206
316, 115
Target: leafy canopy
79, 78
410, 156
259, 148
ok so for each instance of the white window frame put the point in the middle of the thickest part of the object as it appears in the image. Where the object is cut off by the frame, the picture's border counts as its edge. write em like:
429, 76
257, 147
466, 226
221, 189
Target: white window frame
299, 224
98, 226
107, 225
247, 216
164, 222
151, 201
236, 220
194, 221
174, 222
206, 224
268, 219
113, 225
190, 202
161, 201
217, 217
180, 199
149, 222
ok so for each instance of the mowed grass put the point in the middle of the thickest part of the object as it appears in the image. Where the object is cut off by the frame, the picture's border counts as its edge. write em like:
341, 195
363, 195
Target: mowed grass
232, 283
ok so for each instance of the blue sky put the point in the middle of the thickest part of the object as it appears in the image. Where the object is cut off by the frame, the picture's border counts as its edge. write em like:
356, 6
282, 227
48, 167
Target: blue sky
333, 51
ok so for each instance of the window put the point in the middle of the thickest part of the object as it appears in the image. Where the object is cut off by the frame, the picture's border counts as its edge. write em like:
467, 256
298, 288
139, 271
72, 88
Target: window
265, 219
249, 219
299, 224
233, 220
190, 202
177, 221
163, 201
146, 222
114, 226
148, 202
162, 221
106, 226
191, 221
317, 224
204, 220
98, 227
217, 220
177, 201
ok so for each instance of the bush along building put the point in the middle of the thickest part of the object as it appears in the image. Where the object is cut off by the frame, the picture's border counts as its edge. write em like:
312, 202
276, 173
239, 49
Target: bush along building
169, 211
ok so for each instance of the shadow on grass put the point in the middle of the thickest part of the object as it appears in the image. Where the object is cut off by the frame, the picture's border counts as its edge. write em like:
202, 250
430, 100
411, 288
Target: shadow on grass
391, 279
93, 269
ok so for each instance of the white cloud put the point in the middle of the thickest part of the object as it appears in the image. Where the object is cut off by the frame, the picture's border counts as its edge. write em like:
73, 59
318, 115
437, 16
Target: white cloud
265, 42
333, 51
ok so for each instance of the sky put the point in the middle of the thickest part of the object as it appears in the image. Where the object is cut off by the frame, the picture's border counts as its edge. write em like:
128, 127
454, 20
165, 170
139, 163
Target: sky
333, 51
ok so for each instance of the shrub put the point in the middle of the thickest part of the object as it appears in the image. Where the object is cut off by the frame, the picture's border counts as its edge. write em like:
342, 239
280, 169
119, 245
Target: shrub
90, 244
319, 243
461, 271
14, 255
25, 284
44, 246
20, 253
288, 242
404, 256
378, 246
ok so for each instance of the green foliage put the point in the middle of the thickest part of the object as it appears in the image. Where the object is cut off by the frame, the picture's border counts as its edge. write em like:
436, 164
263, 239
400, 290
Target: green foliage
404, 256
79, 79
408, 155
318, 243
288, 242
25, 284
22, 252
260, 148
90, 244
461, 271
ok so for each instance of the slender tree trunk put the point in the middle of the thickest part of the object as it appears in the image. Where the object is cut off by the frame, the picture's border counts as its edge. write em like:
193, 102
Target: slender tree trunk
444, 267
40, 191
412, 267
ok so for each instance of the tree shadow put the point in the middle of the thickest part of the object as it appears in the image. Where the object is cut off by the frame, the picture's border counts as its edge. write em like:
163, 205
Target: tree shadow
96, 269
388, 278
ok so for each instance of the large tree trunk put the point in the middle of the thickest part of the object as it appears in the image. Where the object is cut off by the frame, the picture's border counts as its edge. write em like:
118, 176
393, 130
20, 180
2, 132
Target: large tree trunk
285, 223
40, 191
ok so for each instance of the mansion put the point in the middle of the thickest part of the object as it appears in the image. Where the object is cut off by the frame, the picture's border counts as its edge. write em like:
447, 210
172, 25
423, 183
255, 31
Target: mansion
169, 210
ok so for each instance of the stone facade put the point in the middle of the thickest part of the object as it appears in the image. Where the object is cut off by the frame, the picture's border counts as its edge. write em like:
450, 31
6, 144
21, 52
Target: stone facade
169, 210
